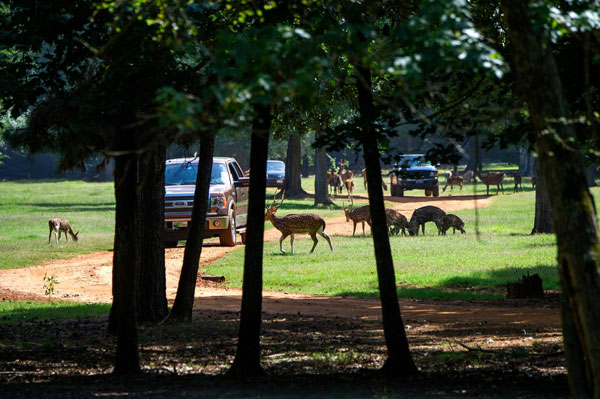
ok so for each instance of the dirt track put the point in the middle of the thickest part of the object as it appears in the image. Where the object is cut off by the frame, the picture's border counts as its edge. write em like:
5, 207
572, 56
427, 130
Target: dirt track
87, 278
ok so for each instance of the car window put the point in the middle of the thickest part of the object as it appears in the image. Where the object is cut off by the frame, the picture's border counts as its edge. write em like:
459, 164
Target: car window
275, 166
234, 172
185, 174
412, 162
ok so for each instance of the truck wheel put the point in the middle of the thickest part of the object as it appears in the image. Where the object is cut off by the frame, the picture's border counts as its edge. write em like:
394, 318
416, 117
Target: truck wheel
436, 191
400, 191
428, 193
170, 244
227, 238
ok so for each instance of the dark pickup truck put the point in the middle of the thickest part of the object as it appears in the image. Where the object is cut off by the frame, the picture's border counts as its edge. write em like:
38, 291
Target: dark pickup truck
228, 200
414, 172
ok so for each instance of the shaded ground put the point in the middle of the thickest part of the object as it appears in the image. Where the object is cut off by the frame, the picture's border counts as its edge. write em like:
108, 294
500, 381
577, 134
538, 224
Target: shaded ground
312, 346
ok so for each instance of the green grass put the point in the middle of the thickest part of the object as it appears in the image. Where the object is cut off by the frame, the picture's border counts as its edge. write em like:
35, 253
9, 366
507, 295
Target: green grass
27, 310
26, 206
471, 266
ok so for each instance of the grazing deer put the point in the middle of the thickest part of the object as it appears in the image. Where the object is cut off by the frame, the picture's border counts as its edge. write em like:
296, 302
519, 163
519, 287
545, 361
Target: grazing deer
349, 184
362, 214
396, 222
492, 178
364, 174
423, 215
301, 223
451, 220
60, 225
452, 180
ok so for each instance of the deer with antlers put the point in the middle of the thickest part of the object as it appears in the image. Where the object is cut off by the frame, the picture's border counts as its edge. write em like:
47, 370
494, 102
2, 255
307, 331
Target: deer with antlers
300, 223
58, 226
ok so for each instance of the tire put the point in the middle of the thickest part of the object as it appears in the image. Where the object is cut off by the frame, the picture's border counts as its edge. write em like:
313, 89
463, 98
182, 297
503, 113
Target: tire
171, 244
401, 191
436, 191
228, 238
428, 193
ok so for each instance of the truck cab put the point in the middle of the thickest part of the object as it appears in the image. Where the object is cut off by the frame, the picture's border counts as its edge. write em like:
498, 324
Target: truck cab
227, 210
413, 172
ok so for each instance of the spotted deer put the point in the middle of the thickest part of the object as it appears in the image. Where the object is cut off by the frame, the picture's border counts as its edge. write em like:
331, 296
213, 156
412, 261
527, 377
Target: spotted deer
362, 215
396, 222
467, 176
492, 179
451, 220
349, 184
300, 223
334, 181
423, 215
454, 180
60, 225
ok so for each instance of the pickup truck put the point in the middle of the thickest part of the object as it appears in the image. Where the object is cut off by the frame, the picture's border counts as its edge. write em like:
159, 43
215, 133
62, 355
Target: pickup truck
414, 172
228, 200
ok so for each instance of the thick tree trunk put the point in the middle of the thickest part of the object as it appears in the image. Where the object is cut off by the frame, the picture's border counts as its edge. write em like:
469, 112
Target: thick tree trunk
293, 182
321, 195
399, 359
247, 357
125, 263
573, 212
184, 299
152, 290
543, 216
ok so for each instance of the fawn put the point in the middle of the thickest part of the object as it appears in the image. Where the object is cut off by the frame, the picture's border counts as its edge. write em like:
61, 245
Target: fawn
452, 180
396, 222
362, 214
301, 223
450, 220
423, 215
59, 225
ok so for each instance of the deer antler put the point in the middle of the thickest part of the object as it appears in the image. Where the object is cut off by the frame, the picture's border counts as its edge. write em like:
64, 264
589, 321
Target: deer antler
343, 207
282, 198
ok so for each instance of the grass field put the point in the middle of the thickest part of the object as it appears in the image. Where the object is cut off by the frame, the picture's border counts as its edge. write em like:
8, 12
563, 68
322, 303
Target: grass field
454, 266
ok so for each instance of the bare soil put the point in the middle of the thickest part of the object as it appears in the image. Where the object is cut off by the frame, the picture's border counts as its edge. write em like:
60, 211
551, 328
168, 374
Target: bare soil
515, 341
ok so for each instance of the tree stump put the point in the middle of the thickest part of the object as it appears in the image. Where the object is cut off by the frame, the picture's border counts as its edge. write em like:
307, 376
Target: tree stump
528, 287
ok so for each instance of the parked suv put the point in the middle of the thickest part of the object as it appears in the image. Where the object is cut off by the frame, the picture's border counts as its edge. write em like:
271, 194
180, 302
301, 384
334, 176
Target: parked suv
275, 173
414, 172
228, 200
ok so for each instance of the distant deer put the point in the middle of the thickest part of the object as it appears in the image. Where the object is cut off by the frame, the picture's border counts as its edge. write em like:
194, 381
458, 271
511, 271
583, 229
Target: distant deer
60, 225
362, 215
334, 181
364, 174
396, 222
452, 180
450, 220
349, 184
533, 182
301, 223
517, 179
492, 178
467, 176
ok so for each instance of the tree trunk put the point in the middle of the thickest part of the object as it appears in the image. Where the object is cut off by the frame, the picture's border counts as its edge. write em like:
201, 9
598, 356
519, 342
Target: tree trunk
247, 357
152, 291
472, 153
125, 262
184, 299
321, 195
578, 242
293, 182
543, 217
399, 359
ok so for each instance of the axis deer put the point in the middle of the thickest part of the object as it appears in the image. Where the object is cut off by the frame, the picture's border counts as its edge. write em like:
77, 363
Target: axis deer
362, 215
423, 215
467, 176
364, 174
301, 223
451, 220
349, 184
452, 180
517, 180
396, 222
346, 174
60, 225
334, 181
492, 178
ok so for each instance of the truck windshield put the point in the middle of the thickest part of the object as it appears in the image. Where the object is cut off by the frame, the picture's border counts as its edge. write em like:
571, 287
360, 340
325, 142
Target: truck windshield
412, 162
275, 166
185, 173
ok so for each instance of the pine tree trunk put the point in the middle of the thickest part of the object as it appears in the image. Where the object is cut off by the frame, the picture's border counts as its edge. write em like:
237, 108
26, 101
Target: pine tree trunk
578, 242
125, 263
399, 359
321, 195
152, 290
247, 357
543, 217
293, 181
184, 299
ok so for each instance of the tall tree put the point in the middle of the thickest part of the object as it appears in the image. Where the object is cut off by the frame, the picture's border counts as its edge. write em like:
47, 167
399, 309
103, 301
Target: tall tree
293, 176
543, 219
578, 243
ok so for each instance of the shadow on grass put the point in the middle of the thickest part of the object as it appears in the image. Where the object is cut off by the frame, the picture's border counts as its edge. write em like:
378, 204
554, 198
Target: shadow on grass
29, 310
75, 207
